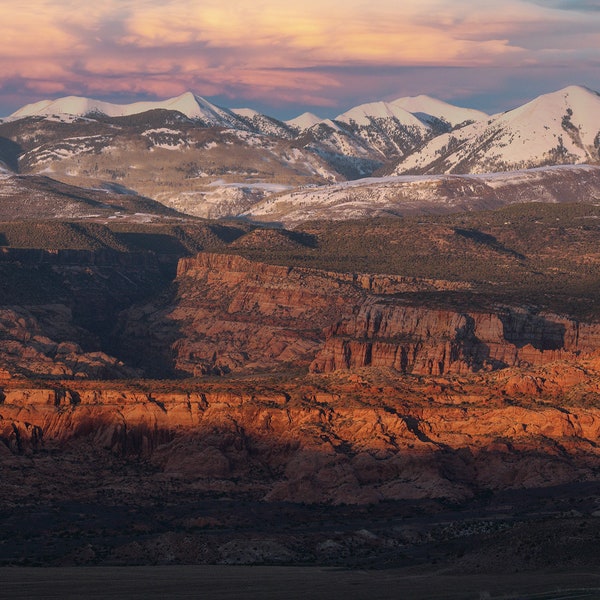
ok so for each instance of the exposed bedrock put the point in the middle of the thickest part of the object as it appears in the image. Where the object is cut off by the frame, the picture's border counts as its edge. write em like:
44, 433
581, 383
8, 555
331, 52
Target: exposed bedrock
352, 444
231, 314
431, 341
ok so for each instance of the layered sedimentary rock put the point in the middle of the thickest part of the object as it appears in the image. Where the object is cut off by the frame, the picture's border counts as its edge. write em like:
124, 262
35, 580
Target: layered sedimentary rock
432, 341
331, 440
231, 314
225, 314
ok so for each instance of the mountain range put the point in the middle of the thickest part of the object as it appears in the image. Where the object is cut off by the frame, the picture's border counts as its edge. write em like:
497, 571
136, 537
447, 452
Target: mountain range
558, 128
201, 159
356, 391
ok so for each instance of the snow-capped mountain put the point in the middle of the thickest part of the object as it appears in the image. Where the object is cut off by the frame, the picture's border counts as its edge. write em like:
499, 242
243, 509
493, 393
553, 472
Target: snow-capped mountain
387, 128
202, 159
558, 128
192, 106
362, 139
366, 114
180, 162
304, 121
429, 110
263, 123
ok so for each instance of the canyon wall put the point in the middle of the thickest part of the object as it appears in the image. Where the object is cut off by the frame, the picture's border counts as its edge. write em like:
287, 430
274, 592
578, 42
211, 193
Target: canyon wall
354, 443
231, 314
426, 341
227, 314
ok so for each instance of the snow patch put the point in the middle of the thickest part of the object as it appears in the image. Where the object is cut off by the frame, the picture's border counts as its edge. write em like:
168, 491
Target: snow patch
304, 121
365, 113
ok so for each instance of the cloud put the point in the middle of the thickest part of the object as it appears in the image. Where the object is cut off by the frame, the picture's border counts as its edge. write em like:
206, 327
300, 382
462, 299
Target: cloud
315, 32
571, 5
280, 52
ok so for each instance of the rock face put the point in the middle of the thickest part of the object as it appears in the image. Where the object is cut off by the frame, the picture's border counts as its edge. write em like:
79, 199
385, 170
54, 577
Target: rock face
418, 340
353, 441
229, 314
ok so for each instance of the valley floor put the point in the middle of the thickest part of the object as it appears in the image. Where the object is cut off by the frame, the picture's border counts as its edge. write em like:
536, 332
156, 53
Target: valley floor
301, 583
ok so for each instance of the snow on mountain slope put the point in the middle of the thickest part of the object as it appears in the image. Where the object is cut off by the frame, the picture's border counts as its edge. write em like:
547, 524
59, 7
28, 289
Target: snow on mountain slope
558, 128
263, 123
424, 108
304, 121
348, 153
366, 114
574, 109
400, 137
363, 138
430, 194
192, 106
34, 197
360, 140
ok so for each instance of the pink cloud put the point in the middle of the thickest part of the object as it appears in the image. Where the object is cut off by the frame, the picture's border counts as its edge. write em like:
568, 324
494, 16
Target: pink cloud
274, 51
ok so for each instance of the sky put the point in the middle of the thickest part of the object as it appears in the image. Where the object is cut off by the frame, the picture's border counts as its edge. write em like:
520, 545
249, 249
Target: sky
283, 58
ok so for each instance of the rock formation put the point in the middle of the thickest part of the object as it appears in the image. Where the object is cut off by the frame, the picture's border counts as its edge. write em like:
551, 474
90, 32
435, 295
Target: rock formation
229, 314
366, 394
428, 341
353, 440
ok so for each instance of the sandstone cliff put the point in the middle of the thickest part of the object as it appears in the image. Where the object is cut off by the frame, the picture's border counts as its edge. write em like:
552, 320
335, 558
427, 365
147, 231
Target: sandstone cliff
359, 440
229, 314
431, 341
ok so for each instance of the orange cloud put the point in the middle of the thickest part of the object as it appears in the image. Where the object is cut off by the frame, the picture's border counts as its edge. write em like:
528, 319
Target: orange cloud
267, 48
318, 33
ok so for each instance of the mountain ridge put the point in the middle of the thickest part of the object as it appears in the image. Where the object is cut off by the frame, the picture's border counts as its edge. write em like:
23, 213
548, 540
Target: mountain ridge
204, 160
188, 103
557, 128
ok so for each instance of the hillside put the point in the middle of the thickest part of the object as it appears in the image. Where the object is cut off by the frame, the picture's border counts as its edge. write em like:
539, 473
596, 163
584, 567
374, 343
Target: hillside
404, 195
38, 197
557, 128
208, 172
198, 158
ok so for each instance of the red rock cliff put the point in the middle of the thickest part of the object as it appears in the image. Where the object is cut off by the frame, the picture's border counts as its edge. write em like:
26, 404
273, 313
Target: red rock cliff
233, 314
326, 441
432, 341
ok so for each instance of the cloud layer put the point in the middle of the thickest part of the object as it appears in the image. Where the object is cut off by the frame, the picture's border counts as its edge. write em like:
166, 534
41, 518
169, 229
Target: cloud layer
314, 53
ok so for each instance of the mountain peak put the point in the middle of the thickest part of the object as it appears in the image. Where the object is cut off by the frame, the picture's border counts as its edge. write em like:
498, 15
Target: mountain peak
304, 121
248, 113
188, 103
561, 127
364, 113
425, 108
578, 90
577, 100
